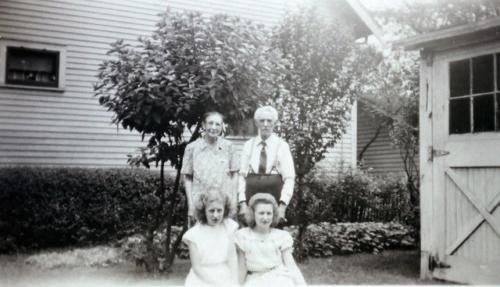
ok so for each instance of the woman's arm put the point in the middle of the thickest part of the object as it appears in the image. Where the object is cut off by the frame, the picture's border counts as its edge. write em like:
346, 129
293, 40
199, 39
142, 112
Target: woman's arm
188, 185
233, 264
292, 267
242, 266
195, 257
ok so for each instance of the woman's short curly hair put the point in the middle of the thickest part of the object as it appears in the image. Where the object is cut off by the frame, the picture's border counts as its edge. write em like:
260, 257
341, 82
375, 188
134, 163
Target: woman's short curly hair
264, 198
205, 198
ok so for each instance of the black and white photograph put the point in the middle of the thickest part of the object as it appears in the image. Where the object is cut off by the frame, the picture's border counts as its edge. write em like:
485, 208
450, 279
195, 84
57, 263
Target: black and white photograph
249, 142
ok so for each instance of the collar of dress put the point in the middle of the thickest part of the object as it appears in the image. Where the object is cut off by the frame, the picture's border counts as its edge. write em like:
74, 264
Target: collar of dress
205, 144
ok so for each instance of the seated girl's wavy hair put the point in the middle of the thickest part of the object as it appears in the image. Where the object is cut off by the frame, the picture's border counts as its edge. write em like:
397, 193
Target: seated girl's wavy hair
212, 195
265, 198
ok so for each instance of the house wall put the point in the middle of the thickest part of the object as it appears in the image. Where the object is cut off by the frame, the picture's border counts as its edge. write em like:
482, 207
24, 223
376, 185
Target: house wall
381, 157
69, 128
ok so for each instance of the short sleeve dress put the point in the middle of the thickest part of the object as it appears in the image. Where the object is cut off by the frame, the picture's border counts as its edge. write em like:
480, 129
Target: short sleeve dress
211, 166
213, 243
263, 257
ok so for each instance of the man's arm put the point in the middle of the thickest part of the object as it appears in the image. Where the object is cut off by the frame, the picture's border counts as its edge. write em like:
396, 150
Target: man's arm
287, 172
244, 162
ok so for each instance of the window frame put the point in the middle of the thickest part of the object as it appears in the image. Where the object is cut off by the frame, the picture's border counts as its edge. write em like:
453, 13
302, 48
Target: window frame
471, 95
36, 46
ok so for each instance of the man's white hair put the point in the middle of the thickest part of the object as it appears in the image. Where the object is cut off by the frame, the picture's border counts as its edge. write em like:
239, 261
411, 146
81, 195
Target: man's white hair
266, 109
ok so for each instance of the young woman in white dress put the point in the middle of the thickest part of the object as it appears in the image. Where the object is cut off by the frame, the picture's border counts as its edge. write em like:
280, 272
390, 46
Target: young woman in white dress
211, 242
265, 253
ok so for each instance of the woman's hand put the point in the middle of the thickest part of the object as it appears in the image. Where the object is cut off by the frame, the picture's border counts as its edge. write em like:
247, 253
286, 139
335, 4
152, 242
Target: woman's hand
289, 262
281, 213
242, 266
243, 212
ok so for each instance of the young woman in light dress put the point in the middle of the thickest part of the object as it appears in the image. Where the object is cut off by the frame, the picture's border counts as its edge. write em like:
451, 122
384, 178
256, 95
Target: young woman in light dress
265, 253
211, 242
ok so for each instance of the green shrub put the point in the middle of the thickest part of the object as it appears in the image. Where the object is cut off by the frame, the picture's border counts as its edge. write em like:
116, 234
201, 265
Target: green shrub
327, 239
134, 247
57, 207
322, 240
355, 196
394, 200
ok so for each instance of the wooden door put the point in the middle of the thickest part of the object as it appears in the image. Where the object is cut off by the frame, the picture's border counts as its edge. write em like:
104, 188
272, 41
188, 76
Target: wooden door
465, 156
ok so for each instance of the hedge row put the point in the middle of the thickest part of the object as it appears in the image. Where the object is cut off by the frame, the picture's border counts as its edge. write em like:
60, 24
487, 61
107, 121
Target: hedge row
356, 196
56, 207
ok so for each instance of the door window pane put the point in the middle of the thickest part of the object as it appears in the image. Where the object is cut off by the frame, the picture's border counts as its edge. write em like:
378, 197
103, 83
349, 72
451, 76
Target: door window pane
498, 74
459, 78
498, 110
460, 116
484, 113
482, 74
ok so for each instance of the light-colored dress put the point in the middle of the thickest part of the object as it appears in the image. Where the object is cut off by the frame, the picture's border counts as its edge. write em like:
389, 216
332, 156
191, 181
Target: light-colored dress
211, 166
263, 257
213, 244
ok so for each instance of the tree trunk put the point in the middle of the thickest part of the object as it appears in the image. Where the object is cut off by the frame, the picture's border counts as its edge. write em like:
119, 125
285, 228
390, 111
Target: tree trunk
371, 141
151, 261
301, 255
171, 249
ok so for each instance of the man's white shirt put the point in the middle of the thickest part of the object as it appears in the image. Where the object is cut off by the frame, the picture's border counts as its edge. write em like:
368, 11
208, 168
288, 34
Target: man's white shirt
278, 154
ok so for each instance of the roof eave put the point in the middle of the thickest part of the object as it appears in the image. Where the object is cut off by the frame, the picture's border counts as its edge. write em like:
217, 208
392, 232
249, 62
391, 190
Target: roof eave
481, 31
365, 17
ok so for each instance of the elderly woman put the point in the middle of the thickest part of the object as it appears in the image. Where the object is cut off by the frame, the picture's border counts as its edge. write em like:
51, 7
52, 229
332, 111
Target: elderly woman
209, 163
267, 154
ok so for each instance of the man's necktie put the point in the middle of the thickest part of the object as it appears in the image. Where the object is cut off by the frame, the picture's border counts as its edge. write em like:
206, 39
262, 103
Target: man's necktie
263, 158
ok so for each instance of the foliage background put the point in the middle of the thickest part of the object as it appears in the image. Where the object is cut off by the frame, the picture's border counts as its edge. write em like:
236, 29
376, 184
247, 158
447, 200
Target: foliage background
57, 207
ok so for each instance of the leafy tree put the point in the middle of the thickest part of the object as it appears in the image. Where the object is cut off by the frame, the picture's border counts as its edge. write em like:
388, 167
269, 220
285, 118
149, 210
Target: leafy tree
390, 97
162, 86
425, 16
315, 89
390, 84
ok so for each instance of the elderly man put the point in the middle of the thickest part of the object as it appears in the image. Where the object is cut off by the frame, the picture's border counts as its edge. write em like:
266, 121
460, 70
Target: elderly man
267, 153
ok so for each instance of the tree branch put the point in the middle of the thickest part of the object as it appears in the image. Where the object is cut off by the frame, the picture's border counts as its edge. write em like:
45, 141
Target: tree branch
372, 140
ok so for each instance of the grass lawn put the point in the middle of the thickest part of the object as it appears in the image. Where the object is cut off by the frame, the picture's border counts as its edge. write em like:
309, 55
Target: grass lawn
78, 268
389, 267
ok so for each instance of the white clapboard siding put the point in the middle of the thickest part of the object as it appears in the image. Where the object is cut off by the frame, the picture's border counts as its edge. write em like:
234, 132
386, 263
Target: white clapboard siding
268, 12
381, 157
70, 128
339, 157
90, 10
121, 137
70, 98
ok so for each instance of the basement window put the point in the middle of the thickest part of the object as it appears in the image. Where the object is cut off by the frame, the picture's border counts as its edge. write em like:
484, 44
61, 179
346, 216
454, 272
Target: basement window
32, 65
